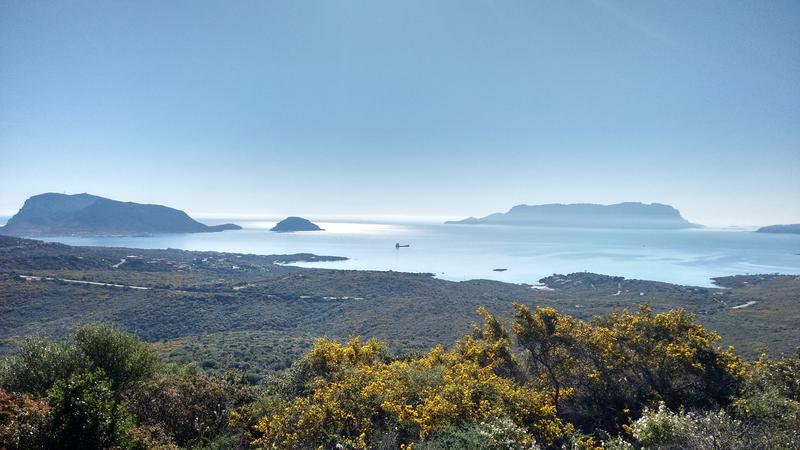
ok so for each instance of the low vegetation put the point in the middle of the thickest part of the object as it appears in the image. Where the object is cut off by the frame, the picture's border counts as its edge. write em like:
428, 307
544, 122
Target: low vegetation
255, 314
207, 350
625, 380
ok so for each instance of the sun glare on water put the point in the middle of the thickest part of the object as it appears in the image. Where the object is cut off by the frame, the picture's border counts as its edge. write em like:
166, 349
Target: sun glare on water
353, 228
360, 228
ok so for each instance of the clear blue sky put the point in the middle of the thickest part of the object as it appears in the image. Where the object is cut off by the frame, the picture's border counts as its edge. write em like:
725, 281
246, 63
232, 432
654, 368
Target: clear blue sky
445, 108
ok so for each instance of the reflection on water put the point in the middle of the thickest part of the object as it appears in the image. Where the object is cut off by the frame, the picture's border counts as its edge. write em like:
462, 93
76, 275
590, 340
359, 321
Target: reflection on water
461, 252
361, 228
329, 227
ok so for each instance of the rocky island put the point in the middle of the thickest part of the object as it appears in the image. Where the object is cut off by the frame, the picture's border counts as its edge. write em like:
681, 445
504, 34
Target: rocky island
782, 229
291, 224
588, 215
54, 214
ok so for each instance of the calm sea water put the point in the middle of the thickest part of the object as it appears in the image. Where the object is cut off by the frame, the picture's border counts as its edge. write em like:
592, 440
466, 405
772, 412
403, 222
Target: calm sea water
462, 252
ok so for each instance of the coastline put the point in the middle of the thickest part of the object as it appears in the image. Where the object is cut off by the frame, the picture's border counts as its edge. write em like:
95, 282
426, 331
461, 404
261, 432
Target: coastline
461, 253
191, 295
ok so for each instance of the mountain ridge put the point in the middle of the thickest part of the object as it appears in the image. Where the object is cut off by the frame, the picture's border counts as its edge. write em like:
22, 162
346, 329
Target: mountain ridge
588, 215
86, 214
781, 229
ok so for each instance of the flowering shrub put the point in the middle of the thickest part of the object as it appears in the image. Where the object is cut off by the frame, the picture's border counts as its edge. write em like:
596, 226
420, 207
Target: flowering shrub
661, 427
550, 381
602, 373
505, 434
357, 392
597, 375
500, 434
769, 407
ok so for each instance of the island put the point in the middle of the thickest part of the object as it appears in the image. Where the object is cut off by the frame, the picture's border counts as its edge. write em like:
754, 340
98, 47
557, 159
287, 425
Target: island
782, 229
84, 214
292, 224
588, 215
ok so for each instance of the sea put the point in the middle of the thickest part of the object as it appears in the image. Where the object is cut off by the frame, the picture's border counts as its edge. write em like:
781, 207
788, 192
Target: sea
515, 254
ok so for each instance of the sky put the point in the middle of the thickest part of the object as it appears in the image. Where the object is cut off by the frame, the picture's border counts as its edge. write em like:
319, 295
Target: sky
442, 108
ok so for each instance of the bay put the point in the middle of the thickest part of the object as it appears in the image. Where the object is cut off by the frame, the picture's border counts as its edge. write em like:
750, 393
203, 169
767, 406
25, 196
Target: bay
464, 252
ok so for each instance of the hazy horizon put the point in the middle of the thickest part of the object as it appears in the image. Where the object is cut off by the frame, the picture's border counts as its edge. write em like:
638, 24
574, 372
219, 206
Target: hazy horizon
256, 215
418, 109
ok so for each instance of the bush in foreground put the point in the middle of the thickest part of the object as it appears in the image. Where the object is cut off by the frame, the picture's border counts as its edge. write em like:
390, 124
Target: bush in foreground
625, 381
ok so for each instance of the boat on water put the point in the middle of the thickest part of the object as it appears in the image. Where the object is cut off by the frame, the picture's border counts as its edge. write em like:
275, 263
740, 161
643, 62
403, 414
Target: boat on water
398, 245
499, 270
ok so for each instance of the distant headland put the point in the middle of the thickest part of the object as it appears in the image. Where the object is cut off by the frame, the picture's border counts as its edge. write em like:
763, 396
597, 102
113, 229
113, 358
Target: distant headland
787, 229
291, 224
588, 215
55, 214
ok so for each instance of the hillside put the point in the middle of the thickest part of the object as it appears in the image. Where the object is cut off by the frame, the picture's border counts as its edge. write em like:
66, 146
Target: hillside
569, 362
204, 307
587, 215
84, 214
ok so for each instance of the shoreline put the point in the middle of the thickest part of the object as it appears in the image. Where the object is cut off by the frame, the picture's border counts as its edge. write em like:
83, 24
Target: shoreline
192, 294
524, 264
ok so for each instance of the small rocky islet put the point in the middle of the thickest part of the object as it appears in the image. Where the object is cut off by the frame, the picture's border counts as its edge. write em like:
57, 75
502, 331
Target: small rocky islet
292, 224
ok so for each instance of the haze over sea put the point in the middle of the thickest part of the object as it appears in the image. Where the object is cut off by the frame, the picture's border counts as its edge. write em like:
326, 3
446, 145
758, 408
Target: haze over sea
463, 252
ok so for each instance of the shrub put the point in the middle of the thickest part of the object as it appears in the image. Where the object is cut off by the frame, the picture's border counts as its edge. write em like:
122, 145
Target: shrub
150, 438
664, 429
604, 372
481, 394
40, 364
769, 407
23, 421
617, 443
357, 393
190, 406
499, 434
85, 415
661, 428
781, 375
123, 358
